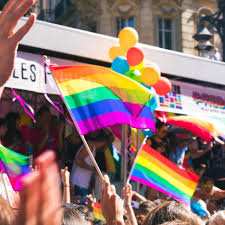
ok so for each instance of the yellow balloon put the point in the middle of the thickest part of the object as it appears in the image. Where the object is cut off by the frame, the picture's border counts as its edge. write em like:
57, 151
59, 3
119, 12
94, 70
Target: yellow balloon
137, 67
128, 37
116, 51
150, 74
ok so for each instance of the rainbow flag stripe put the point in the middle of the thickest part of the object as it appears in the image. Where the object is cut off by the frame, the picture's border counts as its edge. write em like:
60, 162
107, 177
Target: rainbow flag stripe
156, 171
97, 97
14, 165
97, 212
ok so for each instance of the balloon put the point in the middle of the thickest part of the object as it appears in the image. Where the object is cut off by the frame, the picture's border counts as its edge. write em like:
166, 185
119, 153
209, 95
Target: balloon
137, 67
163, 86
134, 56
135, 75
150, 74
128, 37
115, 51
120, 65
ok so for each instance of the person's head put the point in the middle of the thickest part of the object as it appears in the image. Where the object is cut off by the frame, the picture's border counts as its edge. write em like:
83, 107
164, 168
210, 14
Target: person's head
176, 222
217, 219
161, 129
3, 127
206, 184
143, 210
146, 206
13, 120
170, 211
72, 216
44, 115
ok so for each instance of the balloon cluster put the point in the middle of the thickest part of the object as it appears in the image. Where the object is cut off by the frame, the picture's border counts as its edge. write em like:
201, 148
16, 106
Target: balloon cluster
127, 59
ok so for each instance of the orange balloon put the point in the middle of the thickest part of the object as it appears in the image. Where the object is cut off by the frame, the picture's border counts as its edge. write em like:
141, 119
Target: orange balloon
128, 37
150, 74
163, 86
116, 51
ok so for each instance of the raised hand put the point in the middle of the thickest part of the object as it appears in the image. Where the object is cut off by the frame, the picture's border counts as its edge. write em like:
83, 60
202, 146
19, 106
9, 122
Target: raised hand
127, 195
112, 204
9, 39
40, 197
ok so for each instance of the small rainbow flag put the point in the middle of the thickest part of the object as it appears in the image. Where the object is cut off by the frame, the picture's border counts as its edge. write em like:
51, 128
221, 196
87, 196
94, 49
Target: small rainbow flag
156, 171
97, 212
14, 165
97, 97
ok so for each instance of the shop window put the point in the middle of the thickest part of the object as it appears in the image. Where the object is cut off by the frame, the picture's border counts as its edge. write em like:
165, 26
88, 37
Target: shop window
166, 33
121, 23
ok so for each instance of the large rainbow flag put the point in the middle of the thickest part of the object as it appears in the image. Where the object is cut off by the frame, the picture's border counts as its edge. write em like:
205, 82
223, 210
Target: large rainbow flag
14, 165
97, 97
156, 171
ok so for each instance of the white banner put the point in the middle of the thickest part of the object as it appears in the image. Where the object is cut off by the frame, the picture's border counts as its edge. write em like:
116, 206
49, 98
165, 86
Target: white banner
185, 98
29, 74
193, 99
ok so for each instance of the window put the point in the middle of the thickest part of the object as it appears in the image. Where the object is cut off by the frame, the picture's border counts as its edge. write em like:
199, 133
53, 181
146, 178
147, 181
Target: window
166, 33
121, 23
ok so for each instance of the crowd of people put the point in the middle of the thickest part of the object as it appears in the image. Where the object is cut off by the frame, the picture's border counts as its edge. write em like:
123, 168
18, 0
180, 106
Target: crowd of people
43, 201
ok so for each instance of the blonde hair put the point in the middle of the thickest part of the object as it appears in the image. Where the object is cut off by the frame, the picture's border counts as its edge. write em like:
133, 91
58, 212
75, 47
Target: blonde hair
6, 213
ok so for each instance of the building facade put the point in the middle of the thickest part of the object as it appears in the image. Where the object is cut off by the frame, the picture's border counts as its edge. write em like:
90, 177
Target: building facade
169, 24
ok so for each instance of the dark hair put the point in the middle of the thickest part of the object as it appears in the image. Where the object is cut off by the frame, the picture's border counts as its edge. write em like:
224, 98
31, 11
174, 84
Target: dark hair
204, 179
12, 131
159, 124
3, 122
170, 211
146, 206
71, 216
44, 108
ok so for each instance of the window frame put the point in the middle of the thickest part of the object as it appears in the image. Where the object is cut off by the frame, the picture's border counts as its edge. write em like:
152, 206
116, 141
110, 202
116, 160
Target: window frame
164, 30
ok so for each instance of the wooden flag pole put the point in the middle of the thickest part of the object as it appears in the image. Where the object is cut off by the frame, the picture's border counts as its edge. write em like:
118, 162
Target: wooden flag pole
45, 60
132, 168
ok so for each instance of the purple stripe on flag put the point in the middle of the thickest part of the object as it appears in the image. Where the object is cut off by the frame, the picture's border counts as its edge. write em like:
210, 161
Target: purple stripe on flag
112, 118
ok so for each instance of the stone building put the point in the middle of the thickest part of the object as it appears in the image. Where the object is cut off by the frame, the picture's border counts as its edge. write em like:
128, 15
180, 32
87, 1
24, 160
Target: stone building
165, 23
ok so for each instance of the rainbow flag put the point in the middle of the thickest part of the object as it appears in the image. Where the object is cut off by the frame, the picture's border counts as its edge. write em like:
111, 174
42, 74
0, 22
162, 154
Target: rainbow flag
154, 170
97, 212
14, 165
97, 97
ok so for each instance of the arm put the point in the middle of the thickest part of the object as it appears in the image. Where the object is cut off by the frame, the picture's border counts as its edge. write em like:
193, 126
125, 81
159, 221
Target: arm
80, 159
139, 197
9, 40
41, 144
66, 185
128, 193
60, 135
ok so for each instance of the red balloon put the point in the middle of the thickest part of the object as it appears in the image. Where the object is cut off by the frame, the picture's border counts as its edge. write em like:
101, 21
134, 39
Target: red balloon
163, 86
134, 56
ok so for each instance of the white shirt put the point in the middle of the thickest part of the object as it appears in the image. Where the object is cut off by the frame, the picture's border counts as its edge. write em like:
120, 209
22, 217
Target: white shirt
81, 176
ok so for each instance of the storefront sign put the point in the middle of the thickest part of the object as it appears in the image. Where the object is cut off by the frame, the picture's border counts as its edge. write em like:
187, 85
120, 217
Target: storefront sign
194, 100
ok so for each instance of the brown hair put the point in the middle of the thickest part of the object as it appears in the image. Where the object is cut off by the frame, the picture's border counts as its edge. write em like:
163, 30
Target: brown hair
170, 211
